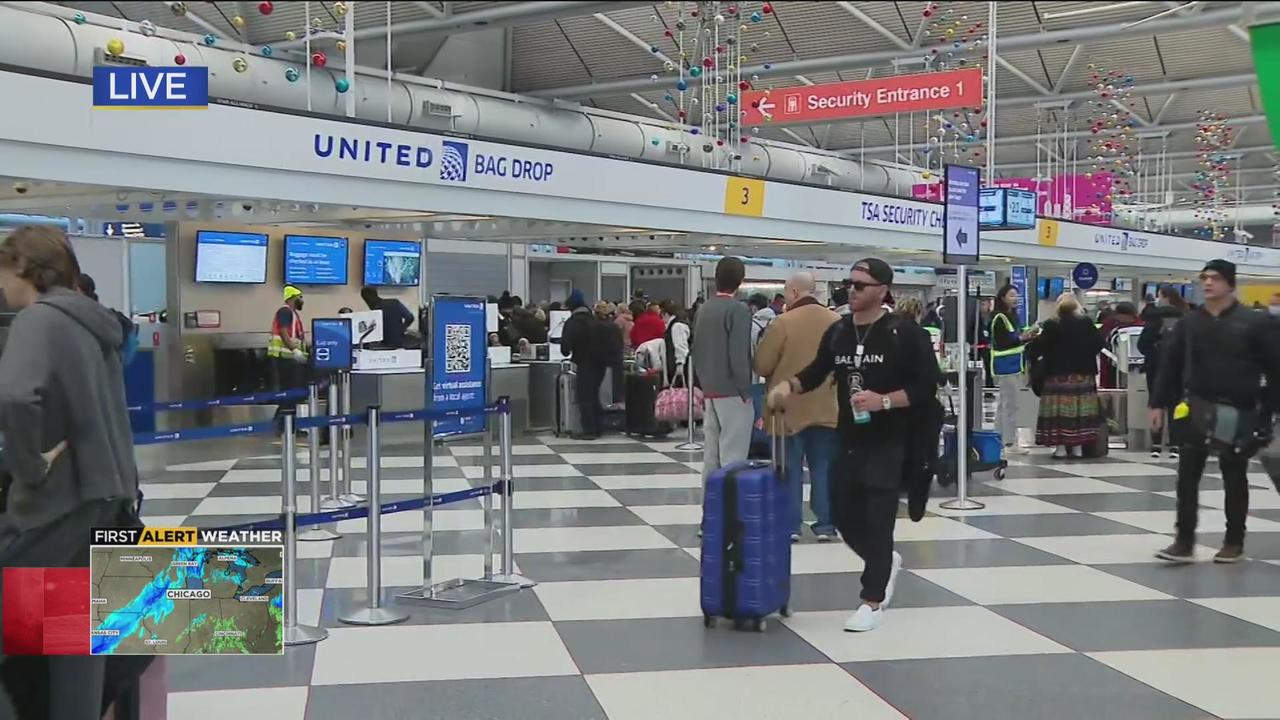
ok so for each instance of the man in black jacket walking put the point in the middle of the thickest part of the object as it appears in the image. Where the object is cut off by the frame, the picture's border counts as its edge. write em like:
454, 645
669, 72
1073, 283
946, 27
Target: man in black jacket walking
1213, 363
884, 369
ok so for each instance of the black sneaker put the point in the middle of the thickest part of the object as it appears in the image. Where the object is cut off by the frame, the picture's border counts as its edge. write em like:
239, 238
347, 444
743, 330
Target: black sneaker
1229, 554
1179, 552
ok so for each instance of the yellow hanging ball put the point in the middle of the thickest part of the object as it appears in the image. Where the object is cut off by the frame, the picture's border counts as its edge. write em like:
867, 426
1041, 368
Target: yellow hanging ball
115, 46
342, 45
291, 36
926, 175
237, 21
339, 9
239, 64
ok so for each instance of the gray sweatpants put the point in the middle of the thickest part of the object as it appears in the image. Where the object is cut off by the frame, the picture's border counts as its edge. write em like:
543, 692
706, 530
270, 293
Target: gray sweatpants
1007, 407
727, 429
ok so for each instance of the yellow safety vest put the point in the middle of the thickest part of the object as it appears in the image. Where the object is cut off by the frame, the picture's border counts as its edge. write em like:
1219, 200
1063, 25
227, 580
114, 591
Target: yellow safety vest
276, 347
1006, 362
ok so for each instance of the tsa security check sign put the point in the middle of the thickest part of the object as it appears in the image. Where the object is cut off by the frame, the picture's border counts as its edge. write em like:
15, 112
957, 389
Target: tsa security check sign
151, 88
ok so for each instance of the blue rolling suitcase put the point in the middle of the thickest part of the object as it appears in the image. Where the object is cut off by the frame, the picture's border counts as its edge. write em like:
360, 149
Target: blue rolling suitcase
746, 544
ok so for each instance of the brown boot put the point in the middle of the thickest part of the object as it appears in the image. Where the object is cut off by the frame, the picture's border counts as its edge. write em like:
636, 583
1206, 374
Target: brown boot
1179, 552
1229, 554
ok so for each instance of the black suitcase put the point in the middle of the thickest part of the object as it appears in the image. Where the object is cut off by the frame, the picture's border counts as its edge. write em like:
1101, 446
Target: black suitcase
641, 395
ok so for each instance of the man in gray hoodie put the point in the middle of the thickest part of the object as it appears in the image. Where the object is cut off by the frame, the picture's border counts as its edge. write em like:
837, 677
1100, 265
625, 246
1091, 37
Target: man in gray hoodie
67, 440
722, 365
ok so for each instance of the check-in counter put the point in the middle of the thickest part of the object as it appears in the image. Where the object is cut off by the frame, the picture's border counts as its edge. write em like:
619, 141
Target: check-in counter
542, 393
406, 389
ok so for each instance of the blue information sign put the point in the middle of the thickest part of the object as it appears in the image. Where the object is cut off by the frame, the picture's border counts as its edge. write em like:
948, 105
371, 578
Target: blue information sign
960, 217
315, 260
1085, 275
459, 362
1018, 279
331, 344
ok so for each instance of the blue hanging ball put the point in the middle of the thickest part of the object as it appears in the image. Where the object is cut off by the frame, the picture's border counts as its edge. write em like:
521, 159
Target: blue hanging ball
267, 51
695, 71
210, 40
653, 49
720, 107
682, 86
669, 97
948, 126
80, 19
731, 98
732, 124
768, 66
342, 85
971, 138
693, 131
655, 142
757, 17
291, 74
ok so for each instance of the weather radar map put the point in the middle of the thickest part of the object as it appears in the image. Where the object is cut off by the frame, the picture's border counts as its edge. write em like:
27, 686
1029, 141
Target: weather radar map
149, 600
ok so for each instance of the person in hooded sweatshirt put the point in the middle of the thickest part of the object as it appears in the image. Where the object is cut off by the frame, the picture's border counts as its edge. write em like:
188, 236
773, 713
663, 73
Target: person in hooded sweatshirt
67, 445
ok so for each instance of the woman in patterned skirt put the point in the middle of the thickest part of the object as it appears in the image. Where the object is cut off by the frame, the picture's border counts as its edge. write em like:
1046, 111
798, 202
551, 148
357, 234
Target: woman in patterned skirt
1070, 415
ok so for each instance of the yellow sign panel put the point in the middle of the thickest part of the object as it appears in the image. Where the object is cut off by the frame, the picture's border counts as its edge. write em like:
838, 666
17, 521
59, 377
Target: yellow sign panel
744, 196
1049, 233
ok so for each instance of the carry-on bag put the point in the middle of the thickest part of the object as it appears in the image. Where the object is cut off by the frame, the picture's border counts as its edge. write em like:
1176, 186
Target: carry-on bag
746, 543
641, 392
568, 420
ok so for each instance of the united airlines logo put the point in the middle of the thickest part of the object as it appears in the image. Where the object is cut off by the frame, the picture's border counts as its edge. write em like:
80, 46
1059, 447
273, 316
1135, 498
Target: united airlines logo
1122, 240
453, 161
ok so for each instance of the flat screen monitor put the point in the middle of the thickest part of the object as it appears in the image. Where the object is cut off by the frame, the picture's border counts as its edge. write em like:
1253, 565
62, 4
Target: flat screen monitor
231, 257
1150, 289
1042, 285
392, 262
315, 260
1122, 284
1056, 287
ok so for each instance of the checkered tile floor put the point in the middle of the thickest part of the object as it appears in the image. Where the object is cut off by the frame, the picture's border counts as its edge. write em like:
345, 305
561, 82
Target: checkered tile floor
1046, 604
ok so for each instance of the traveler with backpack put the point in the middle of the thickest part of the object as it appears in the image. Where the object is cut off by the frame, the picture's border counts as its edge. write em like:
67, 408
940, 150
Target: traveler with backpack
86, 286
761, 315
580, 342
886, 377
1211, 371
1160, 320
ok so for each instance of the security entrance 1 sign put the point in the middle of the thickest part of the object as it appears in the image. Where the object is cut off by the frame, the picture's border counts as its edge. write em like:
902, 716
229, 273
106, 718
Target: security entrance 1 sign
879, 96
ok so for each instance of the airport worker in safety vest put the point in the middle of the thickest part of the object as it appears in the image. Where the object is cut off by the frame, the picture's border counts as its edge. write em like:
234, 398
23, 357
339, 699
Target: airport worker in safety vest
287, 348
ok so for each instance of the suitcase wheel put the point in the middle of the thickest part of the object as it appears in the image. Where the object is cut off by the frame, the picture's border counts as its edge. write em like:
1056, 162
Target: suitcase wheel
708, 622
999, 473
785, 611
759, 625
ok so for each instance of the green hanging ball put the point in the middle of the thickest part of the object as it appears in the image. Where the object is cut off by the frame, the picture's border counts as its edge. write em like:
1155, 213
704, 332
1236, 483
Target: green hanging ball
291, 74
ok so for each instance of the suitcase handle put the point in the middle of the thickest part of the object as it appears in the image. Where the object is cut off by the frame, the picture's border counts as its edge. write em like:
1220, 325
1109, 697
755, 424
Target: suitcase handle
778, 442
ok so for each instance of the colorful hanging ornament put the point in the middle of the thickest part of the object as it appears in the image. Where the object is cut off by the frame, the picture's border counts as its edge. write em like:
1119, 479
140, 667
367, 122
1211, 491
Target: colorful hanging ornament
267, 51
291, 74
339, 9
178, 8
291, 36
210, 40
115, 46
147, 28
342, 85
319, 59
79, 19
240, 65
179, 59
237, 22
266, 8
341, 46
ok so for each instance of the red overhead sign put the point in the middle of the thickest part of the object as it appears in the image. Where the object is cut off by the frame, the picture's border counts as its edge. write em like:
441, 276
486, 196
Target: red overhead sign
858, 98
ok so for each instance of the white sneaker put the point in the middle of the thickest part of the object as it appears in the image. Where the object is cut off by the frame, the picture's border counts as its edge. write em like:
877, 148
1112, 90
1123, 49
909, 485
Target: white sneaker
864, 619
1155, 454
893, 579
1016, 450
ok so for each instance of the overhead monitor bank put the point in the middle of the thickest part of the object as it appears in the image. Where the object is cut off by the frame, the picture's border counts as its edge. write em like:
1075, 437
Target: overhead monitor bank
392, 262
315, 260
231, 257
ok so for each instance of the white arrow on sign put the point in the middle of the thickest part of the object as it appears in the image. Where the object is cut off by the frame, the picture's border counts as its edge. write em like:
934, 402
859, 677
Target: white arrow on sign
766, 106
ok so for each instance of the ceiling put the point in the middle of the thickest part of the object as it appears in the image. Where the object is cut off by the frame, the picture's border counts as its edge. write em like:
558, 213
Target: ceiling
557, 46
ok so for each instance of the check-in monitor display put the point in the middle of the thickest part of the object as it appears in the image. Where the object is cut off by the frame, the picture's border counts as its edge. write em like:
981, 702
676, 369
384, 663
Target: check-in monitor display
315, 260
231, 257
392, 262
1056, 287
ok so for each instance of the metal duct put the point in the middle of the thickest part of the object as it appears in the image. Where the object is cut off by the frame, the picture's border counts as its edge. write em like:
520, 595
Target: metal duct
52, 42
1243, 215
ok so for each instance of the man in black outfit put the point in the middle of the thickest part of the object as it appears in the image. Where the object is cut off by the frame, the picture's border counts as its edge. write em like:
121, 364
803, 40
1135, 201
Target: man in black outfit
1214, 361
883, 366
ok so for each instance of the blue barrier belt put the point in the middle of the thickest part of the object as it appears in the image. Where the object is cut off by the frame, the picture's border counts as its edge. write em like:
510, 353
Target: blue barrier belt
356, 513
267, 398
205, 433
327, 420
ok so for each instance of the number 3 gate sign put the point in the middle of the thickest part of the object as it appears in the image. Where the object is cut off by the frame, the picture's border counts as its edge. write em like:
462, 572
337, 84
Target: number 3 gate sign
860, 98
459, 362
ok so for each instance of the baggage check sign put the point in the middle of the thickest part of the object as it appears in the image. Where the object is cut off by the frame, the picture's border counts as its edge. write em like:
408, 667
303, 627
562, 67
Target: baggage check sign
879, 96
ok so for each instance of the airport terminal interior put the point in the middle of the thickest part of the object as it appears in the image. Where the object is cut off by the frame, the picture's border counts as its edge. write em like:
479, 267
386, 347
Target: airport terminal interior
427, 192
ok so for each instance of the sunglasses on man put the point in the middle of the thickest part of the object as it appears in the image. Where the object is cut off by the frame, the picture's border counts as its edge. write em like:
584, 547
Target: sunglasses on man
859, 285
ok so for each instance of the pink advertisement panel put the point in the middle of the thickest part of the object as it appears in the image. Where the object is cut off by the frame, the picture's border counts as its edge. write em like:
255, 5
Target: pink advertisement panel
1084, 198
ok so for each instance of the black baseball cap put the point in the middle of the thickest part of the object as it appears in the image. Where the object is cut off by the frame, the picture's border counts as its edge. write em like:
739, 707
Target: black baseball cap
878, 269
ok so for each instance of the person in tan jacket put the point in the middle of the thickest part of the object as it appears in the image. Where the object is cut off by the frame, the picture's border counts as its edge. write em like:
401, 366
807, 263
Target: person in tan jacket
788, 346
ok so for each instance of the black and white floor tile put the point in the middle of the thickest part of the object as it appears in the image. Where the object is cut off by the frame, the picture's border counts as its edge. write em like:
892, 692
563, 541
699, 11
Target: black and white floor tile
1047, 603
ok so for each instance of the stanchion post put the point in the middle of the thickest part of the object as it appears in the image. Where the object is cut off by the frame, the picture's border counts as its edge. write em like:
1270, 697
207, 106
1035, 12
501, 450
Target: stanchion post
962, 500
315, 532
689, 444
505, 445
373, 613
334, 501
293, 633
344, 387
487, 456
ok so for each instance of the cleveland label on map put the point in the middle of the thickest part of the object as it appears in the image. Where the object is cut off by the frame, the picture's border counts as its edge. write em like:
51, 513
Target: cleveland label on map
186, 600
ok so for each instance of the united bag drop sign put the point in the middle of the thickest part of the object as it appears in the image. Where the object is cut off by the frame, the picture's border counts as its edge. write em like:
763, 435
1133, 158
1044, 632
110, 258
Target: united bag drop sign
878, 96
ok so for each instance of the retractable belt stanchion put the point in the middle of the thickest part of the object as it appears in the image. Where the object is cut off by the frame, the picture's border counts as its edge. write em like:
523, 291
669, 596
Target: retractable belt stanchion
334, 501
505, 440
459, 593
294, 634
315, 532
344, 394
690, 444
373, 613
487, 455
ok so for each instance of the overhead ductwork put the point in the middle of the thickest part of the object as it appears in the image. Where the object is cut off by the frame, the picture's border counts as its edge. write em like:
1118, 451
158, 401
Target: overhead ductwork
1190, 217
49, 40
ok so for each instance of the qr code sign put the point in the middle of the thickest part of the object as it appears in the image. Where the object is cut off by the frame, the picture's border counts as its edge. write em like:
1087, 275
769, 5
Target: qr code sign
457, 349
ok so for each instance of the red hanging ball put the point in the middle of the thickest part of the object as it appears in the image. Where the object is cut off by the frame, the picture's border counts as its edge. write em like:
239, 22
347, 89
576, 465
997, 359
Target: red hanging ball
693, 12
668, 33
744, 139
719, 142
733, 9
767, 9
179, 59
927, 13
266, 8
681, 114
708, 62
319, 59
744, 85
